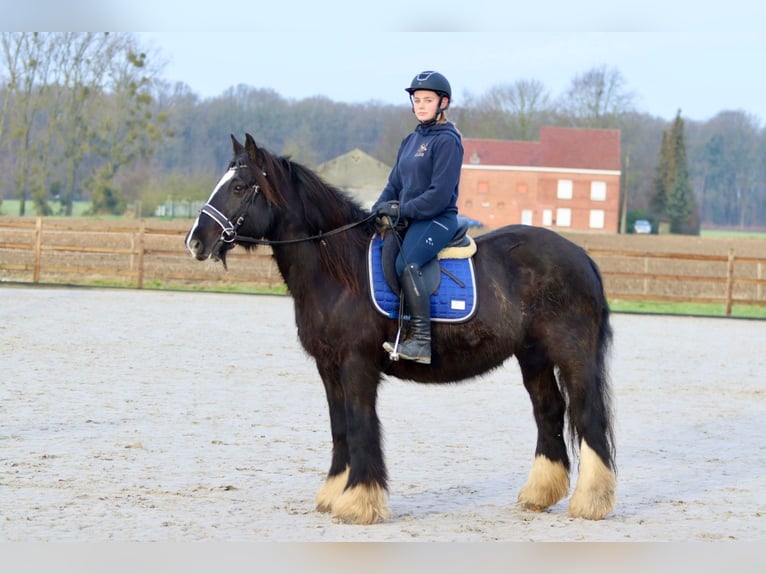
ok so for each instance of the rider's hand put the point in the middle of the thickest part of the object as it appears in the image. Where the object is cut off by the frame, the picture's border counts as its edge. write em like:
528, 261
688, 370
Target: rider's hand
389, 208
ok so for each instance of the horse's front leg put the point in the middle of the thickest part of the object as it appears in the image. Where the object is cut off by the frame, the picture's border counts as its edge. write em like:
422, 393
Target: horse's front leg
364, 499
337, 477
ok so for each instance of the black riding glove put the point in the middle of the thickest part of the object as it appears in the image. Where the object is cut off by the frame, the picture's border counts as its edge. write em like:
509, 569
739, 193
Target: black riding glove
389, 208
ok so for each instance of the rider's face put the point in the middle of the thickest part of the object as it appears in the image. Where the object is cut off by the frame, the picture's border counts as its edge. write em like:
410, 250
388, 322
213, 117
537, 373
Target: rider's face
425, 103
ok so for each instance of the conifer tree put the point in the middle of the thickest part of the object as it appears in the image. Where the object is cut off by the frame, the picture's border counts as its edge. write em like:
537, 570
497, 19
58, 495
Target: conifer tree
673, 199
663, 178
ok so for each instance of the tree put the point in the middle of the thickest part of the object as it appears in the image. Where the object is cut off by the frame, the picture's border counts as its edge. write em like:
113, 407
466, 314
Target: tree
82, 63
731, 167
663, 179
27, 57
674, 201
125, 128
75, 101
509, 111
596, 99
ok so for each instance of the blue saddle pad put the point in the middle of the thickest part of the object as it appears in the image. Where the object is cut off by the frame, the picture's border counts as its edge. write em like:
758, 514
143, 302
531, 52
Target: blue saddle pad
450, 303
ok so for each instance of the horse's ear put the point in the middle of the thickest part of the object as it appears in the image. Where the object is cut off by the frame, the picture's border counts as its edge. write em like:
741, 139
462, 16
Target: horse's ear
253, 153
238, 148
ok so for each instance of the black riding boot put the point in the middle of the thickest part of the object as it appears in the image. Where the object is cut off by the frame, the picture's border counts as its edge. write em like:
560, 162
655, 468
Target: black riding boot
417, 347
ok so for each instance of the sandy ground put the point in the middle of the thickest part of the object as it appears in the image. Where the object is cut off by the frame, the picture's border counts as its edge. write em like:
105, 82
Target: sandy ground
169, 416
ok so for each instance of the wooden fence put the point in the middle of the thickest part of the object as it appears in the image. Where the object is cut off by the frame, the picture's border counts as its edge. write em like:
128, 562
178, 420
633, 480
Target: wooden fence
685, 277
120, 252
151, 254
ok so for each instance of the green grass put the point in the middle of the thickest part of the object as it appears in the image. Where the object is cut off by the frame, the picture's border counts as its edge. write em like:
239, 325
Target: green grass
11, 207
697, 309
247, 289
721, 233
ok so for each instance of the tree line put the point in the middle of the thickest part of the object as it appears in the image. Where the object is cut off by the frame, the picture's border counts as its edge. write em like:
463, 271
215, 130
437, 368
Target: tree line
88, 116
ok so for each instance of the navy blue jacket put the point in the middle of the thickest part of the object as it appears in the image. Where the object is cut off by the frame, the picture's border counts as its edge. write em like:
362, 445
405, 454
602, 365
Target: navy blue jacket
426, 175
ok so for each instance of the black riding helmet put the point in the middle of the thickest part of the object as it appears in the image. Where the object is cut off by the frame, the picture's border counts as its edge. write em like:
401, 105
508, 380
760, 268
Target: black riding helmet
434, 82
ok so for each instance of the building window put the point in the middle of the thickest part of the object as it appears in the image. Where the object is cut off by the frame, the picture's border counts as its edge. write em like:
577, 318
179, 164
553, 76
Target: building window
564, 190
522, 188
597, 219
563, 217
501, 205
598, 191
468, 203
483, 187
547, 217
526, 216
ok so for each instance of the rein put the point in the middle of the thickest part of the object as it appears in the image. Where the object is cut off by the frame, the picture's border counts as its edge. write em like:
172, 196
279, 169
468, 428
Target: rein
320, 236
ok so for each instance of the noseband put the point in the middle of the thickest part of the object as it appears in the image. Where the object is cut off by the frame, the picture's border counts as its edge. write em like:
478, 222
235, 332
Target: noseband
229, 229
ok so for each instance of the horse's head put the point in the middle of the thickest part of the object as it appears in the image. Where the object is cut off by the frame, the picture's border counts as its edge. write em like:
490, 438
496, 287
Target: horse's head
239, 205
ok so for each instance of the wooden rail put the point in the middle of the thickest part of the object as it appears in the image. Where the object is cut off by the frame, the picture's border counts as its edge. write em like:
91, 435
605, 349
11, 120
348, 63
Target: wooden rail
752, 286
135, 253
144, 252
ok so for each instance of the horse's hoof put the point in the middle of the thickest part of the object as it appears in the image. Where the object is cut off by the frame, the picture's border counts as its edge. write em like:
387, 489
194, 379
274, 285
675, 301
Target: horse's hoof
548, 483
362, 504
331, 491
594, 496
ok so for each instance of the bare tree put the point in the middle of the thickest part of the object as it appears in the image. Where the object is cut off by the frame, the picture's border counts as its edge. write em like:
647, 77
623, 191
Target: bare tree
523, 105
596, 99
730, 161
85, 96
27, 57
507, 111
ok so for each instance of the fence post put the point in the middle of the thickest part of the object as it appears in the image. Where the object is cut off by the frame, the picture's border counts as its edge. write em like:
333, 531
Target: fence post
729, 281
646, 272
38, 248
141, 230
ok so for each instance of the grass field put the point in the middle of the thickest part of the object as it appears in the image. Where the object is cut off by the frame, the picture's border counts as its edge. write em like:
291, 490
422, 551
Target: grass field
723, 233
11, 207
693, 309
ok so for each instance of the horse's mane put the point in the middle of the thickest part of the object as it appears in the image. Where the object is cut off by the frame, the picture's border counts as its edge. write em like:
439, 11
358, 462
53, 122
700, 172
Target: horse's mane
324, 208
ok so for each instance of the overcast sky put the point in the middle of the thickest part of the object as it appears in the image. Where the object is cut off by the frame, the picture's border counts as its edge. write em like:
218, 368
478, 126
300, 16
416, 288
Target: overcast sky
701, 59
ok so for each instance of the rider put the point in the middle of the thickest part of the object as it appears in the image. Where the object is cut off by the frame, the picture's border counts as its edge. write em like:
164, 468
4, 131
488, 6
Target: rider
423, 188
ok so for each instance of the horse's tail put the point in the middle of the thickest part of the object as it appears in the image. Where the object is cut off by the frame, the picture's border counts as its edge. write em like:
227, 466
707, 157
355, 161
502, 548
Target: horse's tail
602, 383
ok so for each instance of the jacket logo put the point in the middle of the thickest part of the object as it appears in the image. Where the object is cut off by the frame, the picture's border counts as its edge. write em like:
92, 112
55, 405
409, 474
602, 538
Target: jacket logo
422, 150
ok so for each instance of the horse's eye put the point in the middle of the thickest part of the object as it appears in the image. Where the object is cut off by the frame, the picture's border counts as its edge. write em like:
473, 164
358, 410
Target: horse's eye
239, 188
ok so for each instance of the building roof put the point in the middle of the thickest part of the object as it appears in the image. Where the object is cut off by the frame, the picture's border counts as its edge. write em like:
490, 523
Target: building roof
358, 173
355, 169
572, 148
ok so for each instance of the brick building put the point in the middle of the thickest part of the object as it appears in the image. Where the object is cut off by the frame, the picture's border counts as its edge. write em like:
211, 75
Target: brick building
569, 180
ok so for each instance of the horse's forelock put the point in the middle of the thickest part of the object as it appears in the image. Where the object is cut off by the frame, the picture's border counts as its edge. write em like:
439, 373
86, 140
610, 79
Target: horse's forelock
270, 177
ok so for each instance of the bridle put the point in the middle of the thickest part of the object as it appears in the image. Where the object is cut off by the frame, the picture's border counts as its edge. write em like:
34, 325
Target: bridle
229, 230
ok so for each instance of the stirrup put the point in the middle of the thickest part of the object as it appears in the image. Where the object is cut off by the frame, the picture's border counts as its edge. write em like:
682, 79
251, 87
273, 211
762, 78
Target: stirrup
393, 348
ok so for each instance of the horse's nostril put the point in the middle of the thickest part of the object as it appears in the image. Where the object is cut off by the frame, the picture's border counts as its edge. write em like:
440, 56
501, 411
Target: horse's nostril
194, 246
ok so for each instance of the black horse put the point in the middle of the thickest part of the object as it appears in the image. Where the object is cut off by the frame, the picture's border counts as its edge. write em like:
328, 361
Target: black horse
540, 298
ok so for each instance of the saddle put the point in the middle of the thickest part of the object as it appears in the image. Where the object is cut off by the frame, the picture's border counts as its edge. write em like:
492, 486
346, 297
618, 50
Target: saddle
449, 278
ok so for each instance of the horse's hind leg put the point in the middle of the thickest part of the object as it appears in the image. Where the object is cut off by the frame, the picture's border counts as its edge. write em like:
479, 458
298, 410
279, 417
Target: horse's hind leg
548, 480
594, 496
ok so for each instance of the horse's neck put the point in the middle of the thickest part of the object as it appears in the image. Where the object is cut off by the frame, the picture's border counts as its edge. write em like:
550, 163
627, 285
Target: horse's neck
300, 265
315, 268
